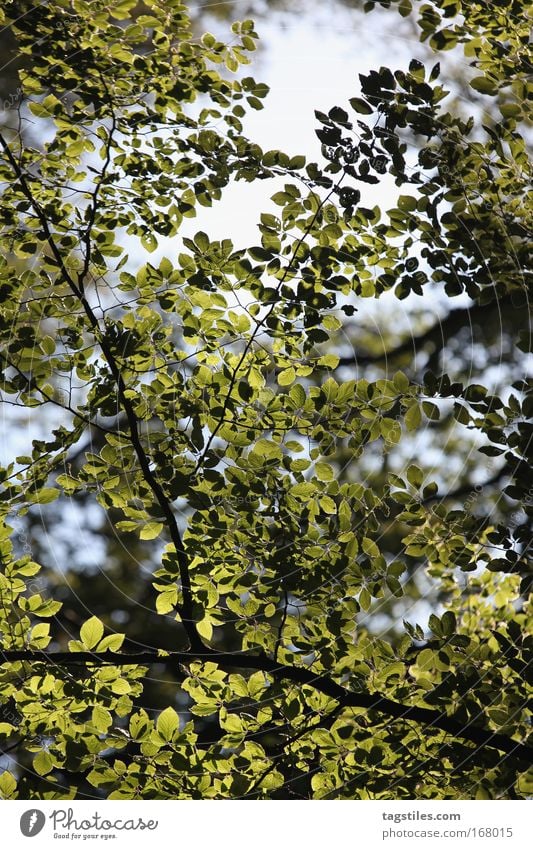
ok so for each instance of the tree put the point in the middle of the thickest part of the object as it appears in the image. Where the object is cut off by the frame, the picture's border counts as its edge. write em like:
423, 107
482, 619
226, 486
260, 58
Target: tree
202, 409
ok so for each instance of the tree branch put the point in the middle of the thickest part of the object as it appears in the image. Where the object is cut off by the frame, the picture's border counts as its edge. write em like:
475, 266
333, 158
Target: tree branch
94, 197
466, 489
300, 675
261, 323
185, 609
439, 333
325, 722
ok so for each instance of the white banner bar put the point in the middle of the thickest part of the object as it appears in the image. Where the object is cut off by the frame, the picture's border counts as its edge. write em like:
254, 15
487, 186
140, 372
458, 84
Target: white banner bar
267, 824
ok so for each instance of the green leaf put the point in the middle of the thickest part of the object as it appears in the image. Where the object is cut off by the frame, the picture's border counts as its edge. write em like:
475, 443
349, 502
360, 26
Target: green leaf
431, 411
286, 376
328, 361
120, 686
327, 504
401, 382
48, 345
266, 449
44, 496
484, 85
101, 718
205, 629
151, 530
47, 608
303, 490
448, 623
91, 632
43, 763
8, 785
413, 416
370, 547
365, 599
324, 472
435, 625
167, 724
297, 162
166, 601
407, 203
415, 475
297, 393
112, 642
361, 106
149, 242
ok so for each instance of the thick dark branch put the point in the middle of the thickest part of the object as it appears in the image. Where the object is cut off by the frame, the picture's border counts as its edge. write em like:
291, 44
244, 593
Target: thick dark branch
300, 675
466, 489
438, 334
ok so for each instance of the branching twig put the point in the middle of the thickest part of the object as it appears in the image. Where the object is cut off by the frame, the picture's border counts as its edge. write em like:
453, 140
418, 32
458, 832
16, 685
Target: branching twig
324, 722
185, 609
281, 624
261, 323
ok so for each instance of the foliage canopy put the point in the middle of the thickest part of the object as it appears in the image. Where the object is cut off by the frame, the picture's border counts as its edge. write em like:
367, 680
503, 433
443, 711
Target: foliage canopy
205, 403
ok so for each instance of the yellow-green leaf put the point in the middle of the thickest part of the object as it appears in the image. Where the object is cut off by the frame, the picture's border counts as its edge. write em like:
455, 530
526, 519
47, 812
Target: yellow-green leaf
151, 530
91, 632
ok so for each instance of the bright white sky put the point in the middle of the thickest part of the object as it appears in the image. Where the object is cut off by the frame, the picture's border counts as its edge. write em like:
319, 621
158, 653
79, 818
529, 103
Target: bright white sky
310, 60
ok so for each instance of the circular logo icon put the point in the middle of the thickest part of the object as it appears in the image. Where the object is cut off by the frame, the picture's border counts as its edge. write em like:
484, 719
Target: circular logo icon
32, 822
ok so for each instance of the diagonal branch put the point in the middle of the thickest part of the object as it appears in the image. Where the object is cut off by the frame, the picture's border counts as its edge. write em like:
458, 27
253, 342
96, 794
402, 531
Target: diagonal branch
438, 334
466, 489
186, 608
87, 240
262, 322
324, 722
299, 675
